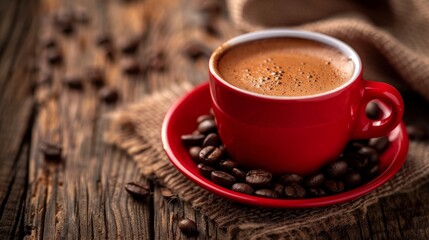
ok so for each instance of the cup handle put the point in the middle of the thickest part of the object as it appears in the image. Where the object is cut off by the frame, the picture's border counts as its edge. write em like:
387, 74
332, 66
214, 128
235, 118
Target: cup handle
388, 95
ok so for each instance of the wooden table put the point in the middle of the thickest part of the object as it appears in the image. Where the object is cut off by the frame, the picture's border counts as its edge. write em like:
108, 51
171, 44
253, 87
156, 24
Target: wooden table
83, 196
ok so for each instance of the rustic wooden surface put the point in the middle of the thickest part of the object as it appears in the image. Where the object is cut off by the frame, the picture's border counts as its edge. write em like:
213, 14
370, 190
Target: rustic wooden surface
82, 196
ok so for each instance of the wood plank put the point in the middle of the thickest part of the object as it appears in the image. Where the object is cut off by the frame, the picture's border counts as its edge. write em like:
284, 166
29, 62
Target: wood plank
18, 25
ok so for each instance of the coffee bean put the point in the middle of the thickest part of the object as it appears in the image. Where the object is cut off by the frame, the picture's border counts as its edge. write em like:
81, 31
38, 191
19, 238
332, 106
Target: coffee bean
371, 153
243, 188
192, 139
49, 42
222, 178
157, 61
294, 190
417, 132
205, 170
354, 146
334, 186
167, 193
290, 178
188, 227
138, 190
103, 39
51, 151
210, 155
195, 51
108, 94
96, 76
63, 21
259, 178
130, 66
268, 193
352, 179
109, 53
54, 56
204, 117
207, 126
239, 174
212, 140
373, 111
356, 161
194, 152
380, 144
228, 165
279, 189
209, 25
316, 192
80, 15
315, 181
337, 169
129, 44
73, 81
372, 171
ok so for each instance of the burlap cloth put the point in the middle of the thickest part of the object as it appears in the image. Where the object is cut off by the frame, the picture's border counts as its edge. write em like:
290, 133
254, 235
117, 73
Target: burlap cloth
391, 36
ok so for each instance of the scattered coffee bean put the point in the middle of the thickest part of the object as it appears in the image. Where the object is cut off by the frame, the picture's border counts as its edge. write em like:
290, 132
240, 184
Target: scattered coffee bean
373, 111
129, 44
290, 178
73, 81
417, 132
259, 178
315, 181
371, 153
207, 126
130, 66
167, 193
195, 51
54, 56
337, 169
188, 227
316, 192
138, 190
352, 179
49, 42
294, 190
210, 26
80, 15
222, 178
334, 186
243, 188
63, 21
51, 151
109, 53
103, 39
356, 161
210, 155
239, 174
108, 94
212, 140
228, 165
202, 118
157, 61
192, 139
354, 146
194, 152
268, 193
205, 170
380, 144
279, 189
95, 76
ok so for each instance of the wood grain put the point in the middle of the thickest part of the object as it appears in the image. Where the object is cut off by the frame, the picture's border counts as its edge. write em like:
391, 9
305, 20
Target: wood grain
82, 196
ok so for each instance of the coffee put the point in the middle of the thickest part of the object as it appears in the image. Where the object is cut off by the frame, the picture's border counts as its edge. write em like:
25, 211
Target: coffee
285, 67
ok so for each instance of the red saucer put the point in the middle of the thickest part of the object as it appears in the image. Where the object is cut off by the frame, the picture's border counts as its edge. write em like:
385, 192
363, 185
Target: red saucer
181, 119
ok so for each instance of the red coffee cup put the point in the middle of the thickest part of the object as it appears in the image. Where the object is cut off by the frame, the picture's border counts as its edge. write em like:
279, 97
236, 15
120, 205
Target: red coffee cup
298, 134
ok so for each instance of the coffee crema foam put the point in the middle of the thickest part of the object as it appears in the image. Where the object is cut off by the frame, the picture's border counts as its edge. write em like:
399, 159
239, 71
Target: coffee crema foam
285, 67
